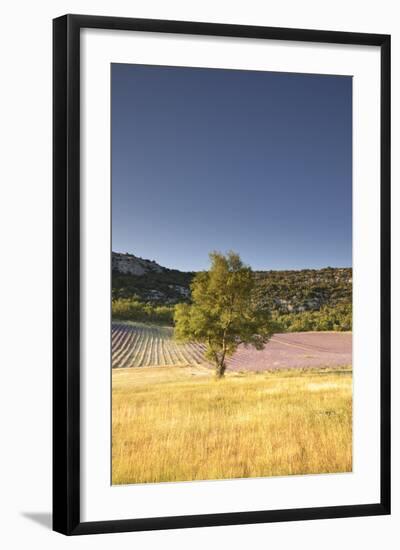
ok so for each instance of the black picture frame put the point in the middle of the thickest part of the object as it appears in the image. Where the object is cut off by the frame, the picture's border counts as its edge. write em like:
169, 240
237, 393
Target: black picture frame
66, 272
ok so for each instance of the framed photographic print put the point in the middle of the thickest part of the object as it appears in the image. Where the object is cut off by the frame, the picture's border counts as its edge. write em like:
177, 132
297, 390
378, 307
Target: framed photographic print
221, 274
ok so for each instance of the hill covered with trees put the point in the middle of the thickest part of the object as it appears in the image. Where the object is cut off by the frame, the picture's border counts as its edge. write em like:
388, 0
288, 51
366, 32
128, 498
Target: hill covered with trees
309, 299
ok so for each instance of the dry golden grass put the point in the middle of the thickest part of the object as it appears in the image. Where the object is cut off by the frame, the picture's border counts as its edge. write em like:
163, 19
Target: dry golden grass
177, 424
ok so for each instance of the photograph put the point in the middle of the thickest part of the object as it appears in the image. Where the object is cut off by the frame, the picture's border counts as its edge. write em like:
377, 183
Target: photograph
231, 286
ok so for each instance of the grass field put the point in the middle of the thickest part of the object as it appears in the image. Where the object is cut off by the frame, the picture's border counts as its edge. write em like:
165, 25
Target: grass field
179, 423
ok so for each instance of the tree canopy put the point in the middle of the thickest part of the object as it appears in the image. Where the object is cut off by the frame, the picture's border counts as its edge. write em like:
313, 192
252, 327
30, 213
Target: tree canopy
223, 313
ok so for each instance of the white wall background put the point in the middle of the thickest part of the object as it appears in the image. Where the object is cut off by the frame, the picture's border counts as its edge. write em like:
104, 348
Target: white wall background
25, 289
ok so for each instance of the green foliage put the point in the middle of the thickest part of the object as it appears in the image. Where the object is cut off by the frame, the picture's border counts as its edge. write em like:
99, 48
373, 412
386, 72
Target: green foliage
160, 287
223, 313
308, 299
306, 289
282, 291
131, 309
327, 318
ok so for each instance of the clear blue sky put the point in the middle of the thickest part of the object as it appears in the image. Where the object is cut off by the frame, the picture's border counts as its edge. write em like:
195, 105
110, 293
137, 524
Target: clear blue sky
210, 159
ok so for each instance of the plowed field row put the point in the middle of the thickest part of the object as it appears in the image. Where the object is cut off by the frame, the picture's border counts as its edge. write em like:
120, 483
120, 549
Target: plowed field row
135, 345
139, 345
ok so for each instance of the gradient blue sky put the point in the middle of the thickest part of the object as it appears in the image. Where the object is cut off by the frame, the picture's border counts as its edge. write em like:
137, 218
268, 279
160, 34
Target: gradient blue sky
210, 159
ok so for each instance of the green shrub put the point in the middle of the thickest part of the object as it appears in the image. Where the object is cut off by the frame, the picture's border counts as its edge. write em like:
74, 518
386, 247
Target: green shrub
131, 309
327, 318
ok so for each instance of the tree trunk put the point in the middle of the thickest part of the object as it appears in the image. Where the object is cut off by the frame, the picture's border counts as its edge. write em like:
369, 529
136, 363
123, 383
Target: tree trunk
221, 366
220, 370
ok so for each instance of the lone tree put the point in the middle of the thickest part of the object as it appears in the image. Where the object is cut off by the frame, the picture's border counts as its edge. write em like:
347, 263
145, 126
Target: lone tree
223, 313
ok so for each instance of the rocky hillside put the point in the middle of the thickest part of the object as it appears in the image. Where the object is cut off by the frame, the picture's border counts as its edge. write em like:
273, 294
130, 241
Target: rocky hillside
148, 281
128, 264
281, 291
304, 290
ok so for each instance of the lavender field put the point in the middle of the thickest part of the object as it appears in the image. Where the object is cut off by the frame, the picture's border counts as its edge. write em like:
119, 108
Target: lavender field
140, 345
